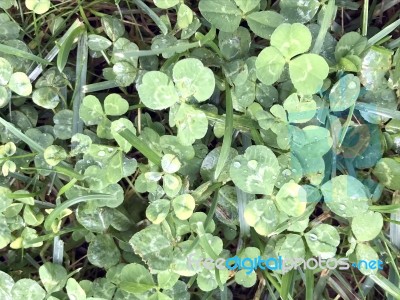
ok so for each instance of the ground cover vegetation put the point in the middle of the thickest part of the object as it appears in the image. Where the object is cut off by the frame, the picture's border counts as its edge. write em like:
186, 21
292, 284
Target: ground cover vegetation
135, 134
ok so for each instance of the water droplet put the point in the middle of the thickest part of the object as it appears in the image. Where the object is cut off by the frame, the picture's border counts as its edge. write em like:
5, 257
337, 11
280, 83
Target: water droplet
294, 170
342, 207
286, 172
110, 150
252, 164
313, 237
352, 85
101, 153
236, 164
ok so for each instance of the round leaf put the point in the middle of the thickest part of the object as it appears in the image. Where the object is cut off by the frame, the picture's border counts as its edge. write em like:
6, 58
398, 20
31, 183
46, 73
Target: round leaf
256, 171
183, 206
245, 279
308, 72
193, 79
165, 4
5, 71
345, 196
299, 11
262, 215
27, 289
292, 199
291, 39
38, 6
102, 252
300, 111
136, 279
367, 226
388, 172
157, 211
223, 14
323, 240
269, 65
344, 93
98, 42
91, 111
366, 253
157, 91
115, 105
170, 163
54, 155
125, 73
53, 276
192, 124
5, 96
46, 97
19, 83
263, 23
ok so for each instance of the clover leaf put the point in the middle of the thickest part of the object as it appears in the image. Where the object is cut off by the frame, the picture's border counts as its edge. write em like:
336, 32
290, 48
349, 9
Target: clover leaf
344, 93
91, 111
54, 155
323, 240
193, 79
292, 199
262, 215
19, 83
269, 65
38, 6
5, 71
387, 170
158, 210
346, 196
223, 14
367, 226
255, 171
115, 105
192, 124
183, 206
157, 91
291, 39
299, 10
263, 23
308, 72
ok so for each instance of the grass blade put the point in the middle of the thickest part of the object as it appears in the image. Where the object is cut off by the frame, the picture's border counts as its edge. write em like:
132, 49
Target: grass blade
81, 72
53, 52
16, 52
66, 46
383, 33
329, 15
227, 141
58, 210
386, 285
140, 146
152, 15
287, 283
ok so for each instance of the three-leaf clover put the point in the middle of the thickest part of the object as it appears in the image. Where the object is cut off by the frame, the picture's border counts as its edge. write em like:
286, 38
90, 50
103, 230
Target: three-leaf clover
288, 41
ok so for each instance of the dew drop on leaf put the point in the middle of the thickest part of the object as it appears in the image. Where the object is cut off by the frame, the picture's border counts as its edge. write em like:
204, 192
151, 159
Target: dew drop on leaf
313, 237
101, 153
252, 164
236, 164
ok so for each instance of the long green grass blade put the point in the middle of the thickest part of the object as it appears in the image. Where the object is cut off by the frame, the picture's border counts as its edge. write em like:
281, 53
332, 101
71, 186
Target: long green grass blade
383, 33
58, 210
227, 141
19, 53
386, 285
81, 71
140, 146
152, 15
329, 15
